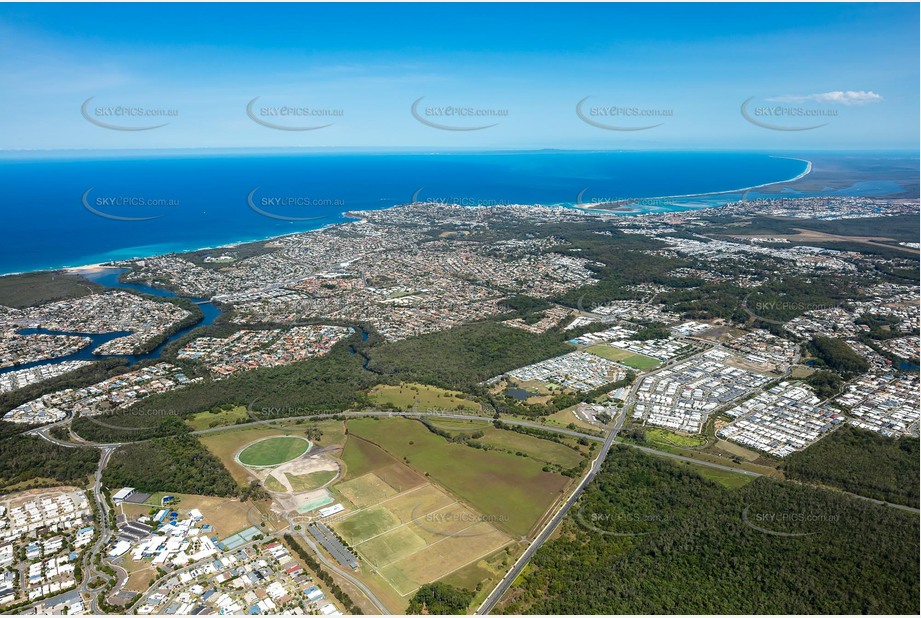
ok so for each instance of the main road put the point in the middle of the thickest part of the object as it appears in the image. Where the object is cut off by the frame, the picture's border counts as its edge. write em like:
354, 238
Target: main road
551, 525
506, 582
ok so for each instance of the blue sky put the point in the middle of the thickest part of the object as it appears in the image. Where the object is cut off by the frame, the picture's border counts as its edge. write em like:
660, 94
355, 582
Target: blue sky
686, 68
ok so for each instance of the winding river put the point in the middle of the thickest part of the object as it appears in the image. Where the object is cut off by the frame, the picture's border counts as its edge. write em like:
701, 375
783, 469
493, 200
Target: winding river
108, 277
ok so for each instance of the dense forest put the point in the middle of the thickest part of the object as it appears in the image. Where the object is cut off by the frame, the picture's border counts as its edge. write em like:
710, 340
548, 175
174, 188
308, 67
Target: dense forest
439, 598
861, 462
784, 298
652, 537
8, 429
37, 288
179, 464
527, 307
29, 458
461, 357
826, 384
837, 355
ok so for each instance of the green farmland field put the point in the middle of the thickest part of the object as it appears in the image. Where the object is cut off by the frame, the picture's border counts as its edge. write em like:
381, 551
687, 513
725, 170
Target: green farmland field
514, 490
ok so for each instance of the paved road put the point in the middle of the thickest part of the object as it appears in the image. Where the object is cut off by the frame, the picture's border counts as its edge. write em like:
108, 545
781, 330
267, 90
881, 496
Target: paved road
89, 571
333, 567
710, 464
152, 589
548, 529
699, 462
43, 432
108, 449
506, 582
377, 413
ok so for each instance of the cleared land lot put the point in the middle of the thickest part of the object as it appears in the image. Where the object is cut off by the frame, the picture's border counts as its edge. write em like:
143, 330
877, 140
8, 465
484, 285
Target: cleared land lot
542, 450
663, 437
566, 416
208, 419
139, 574
226, 515
361, 457
366, 490
462, 523
225, 444
546, 451
450, 554
420, 397
311, 480
512, 490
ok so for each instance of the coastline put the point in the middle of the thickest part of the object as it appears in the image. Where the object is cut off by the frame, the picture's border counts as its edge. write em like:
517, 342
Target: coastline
107, 264
77, 268
803, 174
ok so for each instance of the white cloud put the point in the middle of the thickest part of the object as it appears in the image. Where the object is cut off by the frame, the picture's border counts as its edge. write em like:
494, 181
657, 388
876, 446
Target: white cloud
838, 97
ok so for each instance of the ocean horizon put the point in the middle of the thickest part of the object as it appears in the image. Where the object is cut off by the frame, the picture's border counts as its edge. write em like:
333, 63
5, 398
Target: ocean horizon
73, 211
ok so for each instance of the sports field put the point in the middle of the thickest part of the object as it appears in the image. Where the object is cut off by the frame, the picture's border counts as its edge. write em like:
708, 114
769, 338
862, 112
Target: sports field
625, 357
226, 444
641, 362
273, 451
416, 536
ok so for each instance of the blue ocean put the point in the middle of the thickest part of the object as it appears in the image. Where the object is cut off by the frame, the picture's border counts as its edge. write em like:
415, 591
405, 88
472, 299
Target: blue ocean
73, 210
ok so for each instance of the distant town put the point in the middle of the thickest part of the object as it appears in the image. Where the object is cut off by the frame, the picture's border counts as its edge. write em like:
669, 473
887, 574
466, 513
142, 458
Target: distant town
731, 338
